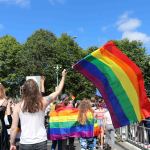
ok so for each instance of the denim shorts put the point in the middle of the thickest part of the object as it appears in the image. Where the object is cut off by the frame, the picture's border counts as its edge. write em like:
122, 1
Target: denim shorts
37, 146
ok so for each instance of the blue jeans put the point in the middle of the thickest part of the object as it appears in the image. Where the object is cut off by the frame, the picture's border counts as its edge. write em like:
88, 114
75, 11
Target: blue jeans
54, 144
110, 135
87, 143
37, 146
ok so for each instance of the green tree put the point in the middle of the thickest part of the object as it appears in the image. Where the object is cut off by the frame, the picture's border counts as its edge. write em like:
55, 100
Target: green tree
39, 55
38, 52
9, 49
147, 74
68, 53
43, 51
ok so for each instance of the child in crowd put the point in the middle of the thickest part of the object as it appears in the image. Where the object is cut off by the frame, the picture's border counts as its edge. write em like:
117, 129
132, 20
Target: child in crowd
99, 115
84, 108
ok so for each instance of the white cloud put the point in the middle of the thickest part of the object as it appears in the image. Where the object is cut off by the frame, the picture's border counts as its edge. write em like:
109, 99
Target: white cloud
135, 35
22, 3
128, 26
54, 2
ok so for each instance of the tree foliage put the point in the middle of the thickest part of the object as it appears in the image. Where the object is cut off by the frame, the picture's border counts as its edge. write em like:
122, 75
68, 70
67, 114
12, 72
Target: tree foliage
43, 51
68, 53
9, 49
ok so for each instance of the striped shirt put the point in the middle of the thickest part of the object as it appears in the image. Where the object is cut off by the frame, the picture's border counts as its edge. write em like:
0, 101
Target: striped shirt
99, 113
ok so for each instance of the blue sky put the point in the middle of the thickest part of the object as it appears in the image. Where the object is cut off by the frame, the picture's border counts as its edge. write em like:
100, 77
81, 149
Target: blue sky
94, 22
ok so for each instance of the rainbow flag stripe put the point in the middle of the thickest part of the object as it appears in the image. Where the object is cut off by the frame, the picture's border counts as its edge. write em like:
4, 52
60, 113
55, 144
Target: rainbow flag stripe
97, 129
120, 82
63, 124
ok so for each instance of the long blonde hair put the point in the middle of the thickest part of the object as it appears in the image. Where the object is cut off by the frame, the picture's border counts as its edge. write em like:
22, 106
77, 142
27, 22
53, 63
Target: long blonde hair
84, 107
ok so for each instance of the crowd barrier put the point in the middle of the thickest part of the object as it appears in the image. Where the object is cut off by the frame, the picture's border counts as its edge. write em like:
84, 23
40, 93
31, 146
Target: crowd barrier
136, 134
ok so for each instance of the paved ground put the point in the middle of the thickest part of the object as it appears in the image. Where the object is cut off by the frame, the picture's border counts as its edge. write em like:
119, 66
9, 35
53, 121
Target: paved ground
118, 146
127, 146
77, 146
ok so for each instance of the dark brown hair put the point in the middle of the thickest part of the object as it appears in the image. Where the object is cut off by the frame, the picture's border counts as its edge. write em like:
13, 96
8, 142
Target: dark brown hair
84, 107
31, 96
2, 92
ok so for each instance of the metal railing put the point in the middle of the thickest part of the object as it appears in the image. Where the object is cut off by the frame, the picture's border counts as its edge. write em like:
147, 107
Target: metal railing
137, 134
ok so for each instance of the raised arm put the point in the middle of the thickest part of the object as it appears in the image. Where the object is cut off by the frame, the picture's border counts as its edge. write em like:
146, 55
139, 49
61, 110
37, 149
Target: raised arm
42, 87
54, 95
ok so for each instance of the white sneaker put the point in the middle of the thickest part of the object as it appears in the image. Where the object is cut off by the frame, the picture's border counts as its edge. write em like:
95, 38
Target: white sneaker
101, 147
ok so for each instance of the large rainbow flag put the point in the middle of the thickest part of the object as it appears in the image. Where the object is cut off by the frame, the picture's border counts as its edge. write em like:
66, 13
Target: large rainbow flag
120, 82
63, 124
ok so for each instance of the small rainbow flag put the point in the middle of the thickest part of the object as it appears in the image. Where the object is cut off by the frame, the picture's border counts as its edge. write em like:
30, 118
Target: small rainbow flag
120, 82
63, 124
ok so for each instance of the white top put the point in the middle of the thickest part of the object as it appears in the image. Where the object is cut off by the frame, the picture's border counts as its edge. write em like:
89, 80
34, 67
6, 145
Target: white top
108, 118
32, 127
7, 123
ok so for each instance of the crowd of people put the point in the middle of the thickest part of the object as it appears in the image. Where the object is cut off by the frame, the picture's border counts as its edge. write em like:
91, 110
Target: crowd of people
23, 125
25, 120
28, 116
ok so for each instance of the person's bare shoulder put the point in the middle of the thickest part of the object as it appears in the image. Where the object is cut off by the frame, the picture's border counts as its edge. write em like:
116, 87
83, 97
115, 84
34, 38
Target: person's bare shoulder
17, 107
